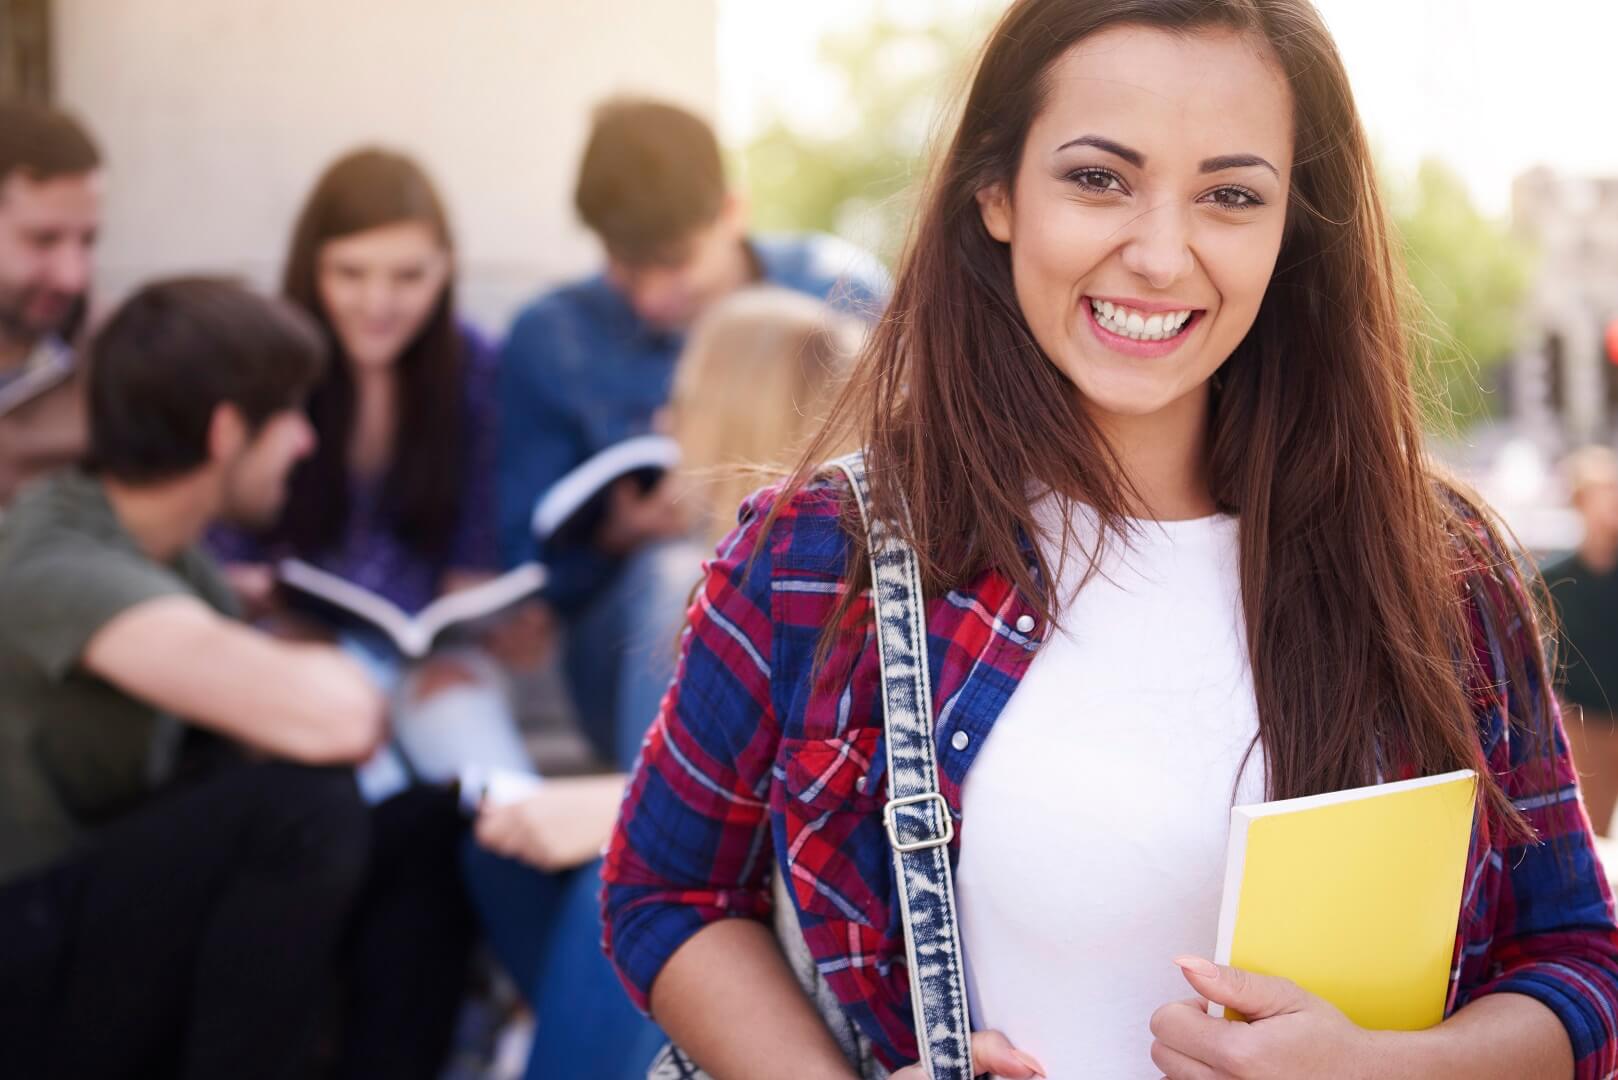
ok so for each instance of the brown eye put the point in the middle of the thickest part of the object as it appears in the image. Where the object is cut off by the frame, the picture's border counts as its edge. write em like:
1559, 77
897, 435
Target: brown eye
1096, 180
1235, 198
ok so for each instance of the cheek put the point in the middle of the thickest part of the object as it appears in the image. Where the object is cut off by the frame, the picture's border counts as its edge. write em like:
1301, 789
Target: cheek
338, 297
416, 301
1054, 249
1240, 263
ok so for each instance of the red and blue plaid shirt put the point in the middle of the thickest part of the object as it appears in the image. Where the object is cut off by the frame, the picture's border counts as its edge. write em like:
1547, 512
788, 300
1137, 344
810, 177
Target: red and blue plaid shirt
755, 767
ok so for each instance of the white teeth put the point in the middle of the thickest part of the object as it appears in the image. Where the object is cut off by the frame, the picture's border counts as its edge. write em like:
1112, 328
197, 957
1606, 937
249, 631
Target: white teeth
1134, 324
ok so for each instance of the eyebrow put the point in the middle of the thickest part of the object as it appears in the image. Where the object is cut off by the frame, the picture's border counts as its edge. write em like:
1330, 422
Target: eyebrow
1138, 159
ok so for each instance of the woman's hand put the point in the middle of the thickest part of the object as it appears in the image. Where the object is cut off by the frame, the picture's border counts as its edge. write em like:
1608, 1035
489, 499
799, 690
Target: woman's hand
992, 1053
564, 824
254, 585
1290, 1032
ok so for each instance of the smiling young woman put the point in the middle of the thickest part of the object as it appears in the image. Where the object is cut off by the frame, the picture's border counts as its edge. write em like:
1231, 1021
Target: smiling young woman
1142, 406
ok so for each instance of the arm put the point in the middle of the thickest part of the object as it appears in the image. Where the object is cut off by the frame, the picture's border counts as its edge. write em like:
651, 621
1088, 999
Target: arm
1550, 1008
1499, 1037
728, 1000
309, 703
688, 870
1555, 936
1293, 1033
564, 824
539, 441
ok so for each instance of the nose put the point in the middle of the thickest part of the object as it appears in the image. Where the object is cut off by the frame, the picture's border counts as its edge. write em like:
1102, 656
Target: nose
1159, 248
656, 295
375, 299
69, 267
307, 439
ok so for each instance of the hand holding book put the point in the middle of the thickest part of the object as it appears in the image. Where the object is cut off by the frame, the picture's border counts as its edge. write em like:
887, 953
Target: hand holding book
1290, 1033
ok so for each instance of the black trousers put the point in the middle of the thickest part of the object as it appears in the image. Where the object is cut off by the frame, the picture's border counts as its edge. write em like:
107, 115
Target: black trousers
221, 930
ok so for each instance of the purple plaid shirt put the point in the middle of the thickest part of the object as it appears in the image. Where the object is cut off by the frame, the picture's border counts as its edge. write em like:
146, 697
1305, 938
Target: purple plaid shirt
754, 766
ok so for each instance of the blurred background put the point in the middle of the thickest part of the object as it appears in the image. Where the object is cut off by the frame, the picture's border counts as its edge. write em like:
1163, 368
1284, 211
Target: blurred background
1493, 124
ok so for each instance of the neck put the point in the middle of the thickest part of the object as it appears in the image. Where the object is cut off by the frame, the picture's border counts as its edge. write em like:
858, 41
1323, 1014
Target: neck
1599, 552
165, 518
1165, 457
744, 269
375, 421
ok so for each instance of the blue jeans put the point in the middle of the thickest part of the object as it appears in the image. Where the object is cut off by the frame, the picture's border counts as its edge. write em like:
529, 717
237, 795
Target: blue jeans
546, 930
620, 649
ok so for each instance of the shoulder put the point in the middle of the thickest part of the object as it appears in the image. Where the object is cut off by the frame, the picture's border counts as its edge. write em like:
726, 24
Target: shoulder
478, 351
553, 334
55, 518
576, 301
843, 274
800, 530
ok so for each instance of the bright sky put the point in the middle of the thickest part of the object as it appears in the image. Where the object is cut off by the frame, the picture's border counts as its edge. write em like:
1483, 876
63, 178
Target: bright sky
1492, 87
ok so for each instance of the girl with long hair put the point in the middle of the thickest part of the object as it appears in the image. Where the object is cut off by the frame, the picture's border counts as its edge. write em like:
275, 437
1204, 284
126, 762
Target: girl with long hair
1142, 406
396, 498
398, 495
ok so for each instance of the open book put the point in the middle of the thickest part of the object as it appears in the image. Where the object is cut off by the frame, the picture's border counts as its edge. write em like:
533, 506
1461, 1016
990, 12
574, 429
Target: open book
50, 365
1353, 895
572, 509
412, 635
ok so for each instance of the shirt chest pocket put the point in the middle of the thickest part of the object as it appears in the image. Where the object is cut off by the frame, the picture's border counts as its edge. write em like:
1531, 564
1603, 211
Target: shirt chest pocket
834, 851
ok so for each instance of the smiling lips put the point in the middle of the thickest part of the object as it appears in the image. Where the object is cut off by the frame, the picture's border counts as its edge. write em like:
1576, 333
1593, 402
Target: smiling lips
1137, 332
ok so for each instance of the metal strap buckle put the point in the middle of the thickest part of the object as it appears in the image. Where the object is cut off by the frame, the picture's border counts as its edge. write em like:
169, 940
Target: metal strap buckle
924, 844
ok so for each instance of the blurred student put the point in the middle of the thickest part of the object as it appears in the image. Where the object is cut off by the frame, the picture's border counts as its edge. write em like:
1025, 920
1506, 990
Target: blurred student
590, 364
178, 858
1584, 586
50, 212
398, 496
758, 373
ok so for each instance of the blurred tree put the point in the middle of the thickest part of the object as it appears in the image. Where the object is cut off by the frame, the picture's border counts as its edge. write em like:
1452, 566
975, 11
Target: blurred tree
859, 176
896, 85
1470, 275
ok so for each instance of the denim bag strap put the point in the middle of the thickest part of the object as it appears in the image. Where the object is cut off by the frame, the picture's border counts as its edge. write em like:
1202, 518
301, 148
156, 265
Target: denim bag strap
918, 819
919, 827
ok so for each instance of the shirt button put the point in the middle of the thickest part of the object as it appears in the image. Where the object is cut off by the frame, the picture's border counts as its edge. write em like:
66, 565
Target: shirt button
960, 740
1025, 624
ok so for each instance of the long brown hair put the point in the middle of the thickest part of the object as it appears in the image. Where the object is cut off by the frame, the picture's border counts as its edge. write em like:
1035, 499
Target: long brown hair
364, 190
1352, 552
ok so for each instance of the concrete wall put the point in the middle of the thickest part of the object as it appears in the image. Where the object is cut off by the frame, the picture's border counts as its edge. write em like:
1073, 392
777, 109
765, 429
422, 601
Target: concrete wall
216, 116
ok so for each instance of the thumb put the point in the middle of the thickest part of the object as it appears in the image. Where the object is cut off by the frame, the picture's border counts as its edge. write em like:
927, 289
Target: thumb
993, 1053
1254, 996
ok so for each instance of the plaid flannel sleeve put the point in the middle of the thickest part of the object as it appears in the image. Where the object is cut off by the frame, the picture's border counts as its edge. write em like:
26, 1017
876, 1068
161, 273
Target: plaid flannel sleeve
692, 844
1555, 937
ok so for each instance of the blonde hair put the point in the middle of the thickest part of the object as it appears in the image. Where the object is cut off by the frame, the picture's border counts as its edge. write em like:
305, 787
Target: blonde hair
1587, 467
757, 377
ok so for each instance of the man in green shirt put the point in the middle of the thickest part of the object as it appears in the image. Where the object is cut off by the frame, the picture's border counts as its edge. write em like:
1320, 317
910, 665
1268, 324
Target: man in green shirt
1584, 586
178, 853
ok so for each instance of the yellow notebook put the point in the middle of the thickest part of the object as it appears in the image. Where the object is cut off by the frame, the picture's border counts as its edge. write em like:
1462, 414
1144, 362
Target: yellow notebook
1354, 895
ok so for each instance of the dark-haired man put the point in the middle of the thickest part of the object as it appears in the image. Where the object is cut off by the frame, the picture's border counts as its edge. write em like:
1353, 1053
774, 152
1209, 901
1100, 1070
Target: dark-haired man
50, 212
177, 858
590, 363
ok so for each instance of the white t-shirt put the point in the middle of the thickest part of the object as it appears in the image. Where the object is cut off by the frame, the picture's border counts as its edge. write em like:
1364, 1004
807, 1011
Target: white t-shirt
1095, 816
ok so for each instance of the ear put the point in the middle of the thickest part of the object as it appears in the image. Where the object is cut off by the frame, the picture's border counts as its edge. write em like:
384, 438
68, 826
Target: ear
228, 433
994, 206
735, 211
